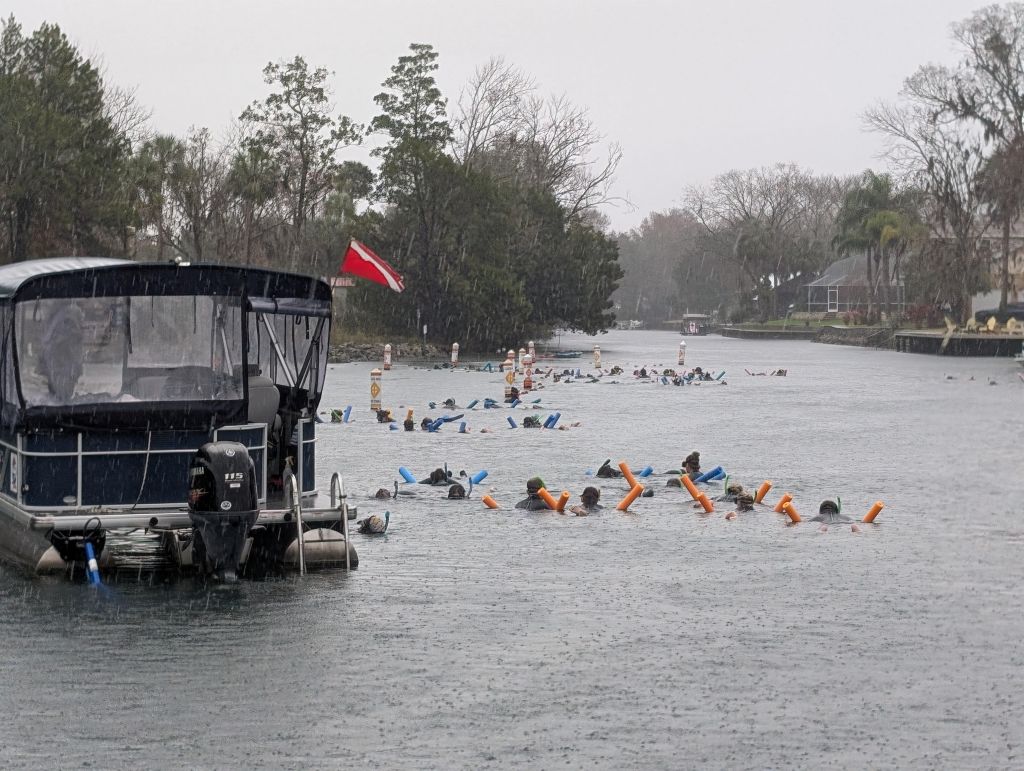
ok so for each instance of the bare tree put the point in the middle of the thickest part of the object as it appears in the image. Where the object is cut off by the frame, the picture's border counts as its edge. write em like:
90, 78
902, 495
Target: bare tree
490, 105
505, 126
942, 157
770, 221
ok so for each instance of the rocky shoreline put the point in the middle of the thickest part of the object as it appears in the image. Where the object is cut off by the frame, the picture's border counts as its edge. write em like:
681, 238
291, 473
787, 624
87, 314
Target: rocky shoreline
344, 353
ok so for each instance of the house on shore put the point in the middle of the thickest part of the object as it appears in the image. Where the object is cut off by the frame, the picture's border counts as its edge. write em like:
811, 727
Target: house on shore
843, 287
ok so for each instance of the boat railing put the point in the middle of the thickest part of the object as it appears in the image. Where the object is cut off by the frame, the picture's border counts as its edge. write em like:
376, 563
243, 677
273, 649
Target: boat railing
291, 487
339, 499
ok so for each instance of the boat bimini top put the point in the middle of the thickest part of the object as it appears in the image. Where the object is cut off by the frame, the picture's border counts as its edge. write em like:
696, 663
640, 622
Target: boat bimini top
94, 343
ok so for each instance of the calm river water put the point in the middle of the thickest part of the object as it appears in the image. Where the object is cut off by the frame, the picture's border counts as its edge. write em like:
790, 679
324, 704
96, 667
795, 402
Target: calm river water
471, 638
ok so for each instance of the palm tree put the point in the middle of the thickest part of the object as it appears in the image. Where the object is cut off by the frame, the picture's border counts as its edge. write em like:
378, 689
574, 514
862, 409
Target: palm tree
876, 219
153, 164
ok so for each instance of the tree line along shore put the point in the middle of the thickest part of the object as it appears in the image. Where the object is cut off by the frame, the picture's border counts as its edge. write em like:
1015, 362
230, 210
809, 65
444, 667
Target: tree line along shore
490, 202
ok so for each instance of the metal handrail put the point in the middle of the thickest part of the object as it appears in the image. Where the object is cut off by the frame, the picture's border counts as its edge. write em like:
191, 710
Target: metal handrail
291, 487
337, 483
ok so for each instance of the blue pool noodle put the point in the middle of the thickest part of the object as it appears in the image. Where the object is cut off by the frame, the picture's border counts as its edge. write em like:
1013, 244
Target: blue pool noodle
648, 470
462, 427
406, 475
478, 477
90, 561
709, 475
472, 404
345, 415
514, 403
511, 422
554, 419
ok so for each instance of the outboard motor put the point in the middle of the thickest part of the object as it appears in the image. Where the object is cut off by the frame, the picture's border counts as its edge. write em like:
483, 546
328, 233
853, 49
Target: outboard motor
223, 505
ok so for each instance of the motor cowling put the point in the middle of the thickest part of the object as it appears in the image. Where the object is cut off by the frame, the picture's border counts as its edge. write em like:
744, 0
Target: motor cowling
223, 505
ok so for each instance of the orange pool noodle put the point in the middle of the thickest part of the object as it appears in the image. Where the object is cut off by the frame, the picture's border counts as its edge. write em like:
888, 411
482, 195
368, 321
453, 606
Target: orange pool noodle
870, 516
628, 475
762, 491
548, 499
489, 502
408, 415
631, 496
562, 500
791, 511
781, 505
704, 501
689, 485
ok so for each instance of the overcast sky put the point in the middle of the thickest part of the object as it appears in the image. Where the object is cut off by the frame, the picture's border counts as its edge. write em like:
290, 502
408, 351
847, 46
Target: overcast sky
689, 89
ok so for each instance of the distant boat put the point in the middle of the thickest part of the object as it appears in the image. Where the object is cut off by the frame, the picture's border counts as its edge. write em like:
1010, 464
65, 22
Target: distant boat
567, 354
691, 324
695, 324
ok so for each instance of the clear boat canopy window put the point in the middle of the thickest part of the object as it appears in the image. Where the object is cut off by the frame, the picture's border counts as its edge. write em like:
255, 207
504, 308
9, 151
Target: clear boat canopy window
102, 342
88, 350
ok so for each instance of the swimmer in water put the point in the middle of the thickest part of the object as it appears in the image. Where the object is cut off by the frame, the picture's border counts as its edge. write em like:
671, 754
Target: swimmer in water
828, 514
456, 491
374, 524
588, 502
607, 472
533, 501
438, 478
744, 502
732, 492
691, 465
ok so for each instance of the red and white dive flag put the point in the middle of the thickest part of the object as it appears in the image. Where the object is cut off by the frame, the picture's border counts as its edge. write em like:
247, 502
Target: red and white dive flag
361, 261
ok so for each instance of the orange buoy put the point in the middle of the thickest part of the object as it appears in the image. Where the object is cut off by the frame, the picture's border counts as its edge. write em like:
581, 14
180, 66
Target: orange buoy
631, 496
562, 500
791, 511
762, 491
490, 503
689, 485
628, 475
548, 499
870, 516
781, 505
704, 501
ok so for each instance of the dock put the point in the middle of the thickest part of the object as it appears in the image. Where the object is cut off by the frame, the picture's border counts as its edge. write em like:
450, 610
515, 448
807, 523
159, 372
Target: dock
960, 343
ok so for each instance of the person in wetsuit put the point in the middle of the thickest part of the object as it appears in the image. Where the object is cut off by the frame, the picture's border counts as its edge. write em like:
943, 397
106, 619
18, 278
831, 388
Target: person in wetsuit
607, 471
456, 491
588, 502
438, 478
744, 502
533, 501
828, 512
691, 465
